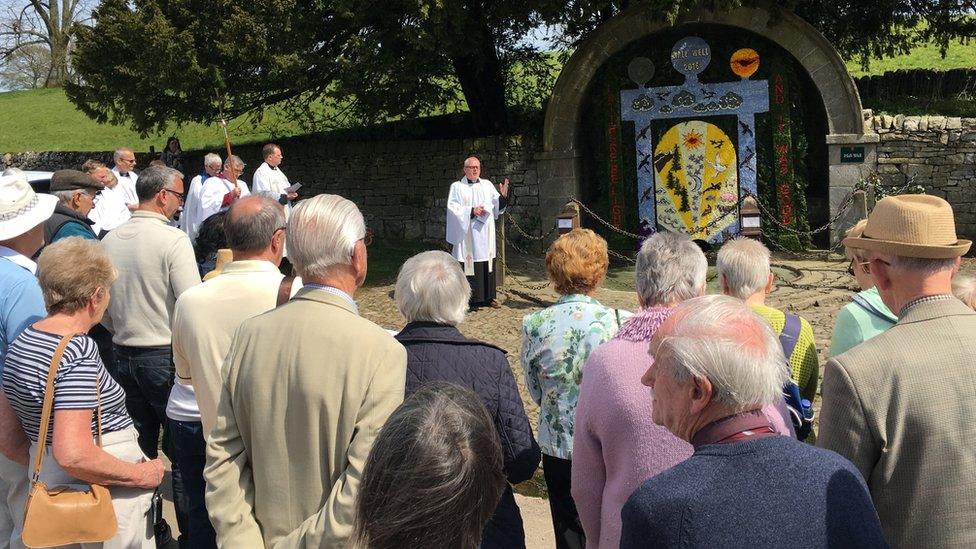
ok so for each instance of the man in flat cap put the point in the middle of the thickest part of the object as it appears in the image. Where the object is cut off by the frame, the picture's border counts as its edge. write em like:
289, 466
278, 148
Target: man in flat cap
901, 406
77, 193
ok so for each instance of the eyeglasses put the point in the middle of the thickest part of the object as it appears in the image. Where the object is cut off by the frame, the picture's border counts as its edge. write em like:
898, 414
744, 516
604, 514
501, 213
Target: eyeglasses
368, 237
181, 196
866, 265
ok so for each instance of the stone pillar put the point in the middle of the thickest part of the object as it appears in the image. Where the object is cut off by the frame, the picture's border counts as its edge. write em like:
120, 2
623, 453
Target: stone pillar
558, 182
844, 174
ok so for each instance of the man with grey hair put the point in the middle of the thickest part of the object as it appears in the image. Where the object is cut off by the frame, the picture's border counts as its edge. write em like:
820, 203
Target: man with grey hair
124, 170
204, 321
306, 388
744, 272
190, 218
77, 194
901, 405
220, 191
155, 263
613, 407
715, 365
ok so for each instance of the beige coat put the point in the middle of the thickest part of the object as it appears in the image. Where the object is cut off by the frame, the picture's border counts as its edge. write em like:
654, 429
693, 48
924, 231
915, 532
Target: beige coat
902, 408
307, 387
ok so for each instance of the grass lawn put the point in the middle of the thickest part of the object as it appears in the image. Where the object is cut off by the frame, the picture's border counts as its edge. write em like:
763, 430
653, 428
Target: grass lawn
43, 120
386, 256
958, 56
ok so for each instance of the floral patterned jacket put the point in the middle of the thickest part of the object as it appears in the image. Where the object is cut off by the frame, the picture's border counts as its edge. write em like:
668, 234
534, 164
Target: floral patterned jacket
556, 342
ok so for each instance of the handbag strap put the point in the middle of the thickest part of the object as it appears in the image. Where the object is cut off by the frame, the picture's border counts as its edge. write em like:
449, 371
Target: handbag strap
49, 404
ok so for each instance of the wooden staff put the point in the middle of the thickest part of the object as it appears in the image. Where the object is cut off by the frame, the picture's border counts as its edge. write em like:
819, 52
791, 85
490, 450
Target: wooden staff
223, 124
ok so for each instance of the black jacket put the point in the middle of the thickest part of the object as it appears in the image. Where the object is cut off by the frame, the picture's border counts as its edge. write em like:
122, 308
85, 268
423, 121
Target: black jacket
62, 216
440, 353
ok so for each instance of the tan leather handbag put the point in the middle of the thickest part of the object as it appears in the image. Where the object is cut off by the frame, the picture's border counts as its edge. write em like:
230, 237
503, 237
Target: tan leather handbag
61, 515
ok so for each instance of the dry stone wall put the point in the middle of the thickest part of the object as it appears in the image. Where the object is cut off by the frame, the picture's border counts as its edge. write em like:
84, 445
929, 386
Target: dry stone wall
400, 186
939, 151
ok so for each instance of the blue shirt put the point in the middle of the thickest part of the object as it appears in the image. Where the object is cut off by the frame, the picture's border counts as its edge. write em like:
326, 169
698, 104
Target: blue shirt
21, 302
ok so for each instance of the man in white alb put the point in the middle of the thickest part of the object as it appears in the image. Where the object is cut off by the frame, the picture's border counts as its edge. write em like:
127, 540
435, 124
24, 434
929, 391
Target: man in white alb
110, 209
220, 192
190, 218
472, 207
124, 170
269, 180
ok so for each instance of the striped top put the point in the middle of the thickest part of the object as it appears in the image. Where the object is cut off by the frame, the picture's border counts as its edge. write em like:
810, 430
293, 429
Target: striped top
25, 379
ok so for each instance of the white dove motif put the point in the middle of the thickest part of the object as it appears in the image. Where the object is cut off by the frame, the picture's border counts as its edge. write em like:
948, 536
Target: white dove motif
717, 165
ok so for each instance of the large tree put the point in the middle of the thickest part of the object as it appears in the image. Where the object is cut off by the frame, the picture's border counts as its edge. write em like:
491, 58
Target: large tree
28, 25
197, 60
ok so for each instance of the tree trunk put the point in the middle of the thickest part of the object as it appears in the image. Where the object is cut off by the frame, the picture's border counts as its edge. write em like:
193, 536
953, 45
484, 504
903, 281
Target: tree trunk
59, 64
479, 71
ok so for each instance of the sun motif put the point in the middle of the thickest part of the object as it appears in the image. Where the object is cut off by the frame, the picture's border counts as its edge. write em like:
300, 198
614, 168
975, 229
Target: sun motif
693, 139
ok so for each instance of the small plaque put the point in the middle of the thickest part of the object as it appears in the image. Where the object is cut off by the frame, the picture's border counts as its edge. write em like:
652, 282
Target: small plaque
566, 223
750, 222
852, 155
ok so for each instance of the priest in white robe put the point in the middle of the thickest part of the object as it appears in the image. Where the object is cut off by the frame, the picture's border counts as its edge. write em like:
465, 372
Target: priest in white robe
190, 218
473, 205
219, 192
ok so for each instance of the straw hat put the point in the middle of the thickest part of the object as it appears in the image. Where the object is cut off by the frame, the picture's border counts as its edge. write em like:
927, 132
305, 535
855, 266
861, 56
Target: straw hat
21, 209
911, 225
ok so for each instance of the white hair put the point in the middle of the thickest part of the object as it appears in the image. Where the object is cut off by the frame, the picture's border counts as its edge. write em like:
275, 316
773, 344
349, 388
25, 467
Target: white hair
233, 161
743, 263
119, 152
212, 160
12, 171
964, 287
670, 268
432, 287
322, 233
64, 197
719, 338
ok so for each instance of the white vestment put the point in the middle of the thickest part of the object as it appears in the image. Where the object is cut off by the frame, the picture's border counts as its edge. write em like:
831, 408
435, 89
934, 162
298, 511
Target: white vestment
212, 197
472, 238
190, 218
270, 182
127, 186
110, 210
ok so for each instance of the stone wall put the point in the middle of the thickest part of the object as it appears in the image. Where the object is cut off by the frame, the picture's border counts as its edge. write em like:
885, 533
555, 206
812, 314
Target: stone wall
940, 152
401, 186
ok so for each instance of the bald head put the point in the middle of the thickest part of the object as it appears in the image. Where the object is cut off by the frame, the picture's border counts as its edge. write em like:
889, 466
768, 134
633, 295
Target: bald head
472, 168
721, 339
255, 228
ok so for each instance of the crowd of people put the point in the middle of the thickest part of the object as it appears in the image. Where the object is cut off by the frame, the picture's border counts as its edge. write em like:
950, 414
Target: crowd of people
292, 421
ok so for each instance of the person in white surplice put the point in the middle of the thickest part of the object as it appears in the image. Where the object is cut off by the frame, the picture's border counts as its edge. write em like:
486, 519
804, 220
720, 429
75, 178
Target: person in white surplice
472, 207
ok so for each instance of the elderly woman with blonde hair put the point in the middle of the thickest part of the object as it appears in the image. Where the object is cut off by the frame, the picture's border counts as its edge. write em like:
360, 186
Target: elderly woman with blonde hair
866, 315
432, 293
75, 276
556, 342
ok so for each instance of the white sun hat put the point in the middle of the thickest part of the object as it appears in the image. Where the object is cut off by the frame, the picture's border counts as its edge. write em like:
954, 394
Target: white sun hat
21, 209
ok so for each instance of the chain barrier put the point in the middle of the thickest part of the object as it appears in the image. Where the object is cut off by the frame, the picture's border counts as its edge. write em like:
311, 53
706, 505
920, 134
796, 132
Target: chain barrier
621, 256
607, 224
524, 233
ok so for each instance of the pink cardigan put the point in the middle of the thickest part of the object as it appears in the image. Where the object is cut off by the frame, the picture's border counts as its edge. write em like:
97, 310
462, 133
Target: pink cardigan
616, 446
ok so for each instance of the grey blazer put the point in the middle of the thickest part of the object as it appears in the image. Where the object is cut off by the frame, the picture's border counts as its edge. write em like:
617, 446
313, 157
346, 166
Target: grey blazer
902, 408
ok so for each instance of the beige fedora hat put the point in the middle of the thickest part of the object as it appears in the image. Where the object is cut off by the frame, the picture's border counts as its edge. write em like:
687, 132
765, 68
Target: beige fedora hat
911, 225
21, 209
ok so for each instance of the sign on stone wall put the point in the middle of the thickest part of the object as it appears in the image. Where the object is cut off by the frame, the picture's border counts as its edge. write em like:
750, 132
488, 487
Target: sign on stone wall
690, 181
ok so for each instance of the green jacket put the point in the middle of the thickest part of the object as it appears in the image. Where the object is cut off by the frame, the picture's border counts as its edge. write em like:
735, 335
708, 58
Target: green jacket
859, 321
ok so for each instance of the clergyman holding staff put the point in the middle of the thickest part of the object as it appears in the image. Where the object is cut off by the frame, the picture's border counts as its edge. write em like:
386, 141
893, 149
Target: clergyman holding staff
472, 207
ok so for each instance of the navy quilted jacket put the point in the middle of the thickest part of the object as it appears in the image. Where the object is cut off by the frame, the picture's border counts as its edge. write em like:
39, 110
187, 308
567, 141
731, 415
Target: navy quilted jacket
436, 352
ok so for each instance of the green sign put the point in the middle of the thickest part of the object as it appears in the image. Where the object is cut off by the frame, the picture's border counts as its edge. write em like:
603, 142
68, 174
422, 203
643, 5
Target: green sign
852, 155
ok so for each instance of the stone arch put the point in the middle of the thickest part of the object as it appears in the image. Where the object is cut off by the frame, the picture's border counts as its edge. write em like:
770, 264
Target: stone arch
559, 161
821, 61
